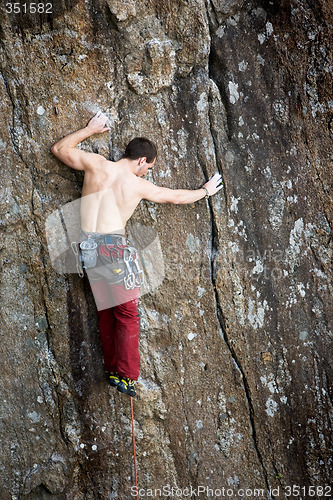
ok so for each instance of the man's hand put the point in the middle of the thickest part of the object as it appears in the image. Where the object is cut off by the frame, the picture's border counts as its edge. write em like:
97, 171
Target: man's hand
97, 123
214, 184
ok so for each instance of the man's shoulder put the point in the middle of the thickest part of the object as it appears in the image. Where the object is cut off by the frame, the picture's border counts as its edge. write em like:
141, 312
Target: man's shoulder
96, 161
143, 183
146, 188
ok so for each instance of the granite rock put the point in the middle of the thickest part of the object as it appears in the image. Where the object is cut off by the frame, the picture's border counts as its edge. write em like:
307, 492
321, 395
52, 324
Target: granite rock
235, 385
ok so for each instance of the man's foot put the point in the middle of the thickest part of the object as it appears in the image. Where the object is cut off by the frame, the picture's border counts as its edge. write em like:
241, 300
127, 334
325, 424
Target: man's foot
114, 378
126, 385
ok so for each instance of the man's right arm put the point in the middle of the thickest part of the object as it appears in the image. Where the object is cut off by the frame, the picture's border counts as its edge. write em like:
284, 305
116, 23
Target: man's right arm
66, 151
158, 194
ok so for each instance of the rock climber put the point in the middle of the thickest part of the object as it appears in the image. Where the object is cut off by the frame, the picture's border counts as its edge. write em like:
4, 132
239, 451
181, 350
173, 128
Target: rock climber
111, 191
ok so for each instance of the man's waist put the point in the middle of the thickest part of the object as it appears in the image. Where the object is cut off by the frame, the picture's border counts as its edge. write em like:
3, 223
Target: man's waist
104, 238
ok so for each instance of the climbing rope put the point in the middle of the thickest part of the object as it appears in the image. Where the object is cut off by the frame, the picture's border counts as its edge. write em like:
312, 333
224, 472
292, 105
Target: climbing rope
133, 434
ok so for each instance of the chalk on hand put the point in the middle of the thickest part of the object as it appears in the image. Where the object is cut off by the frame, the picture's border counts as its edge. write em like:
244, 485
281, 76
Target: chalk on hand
217, 177
103, 116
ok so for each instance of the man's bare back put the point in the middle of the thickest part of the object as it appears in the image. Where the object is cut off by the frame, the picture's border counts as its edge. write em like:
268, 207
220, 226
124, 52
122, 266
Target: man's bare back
112, 190
110, 194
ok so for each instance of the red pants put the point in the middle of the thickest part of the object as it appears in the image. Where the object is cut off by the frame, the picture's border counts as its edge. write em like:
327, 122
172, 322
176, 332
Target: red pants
118, 327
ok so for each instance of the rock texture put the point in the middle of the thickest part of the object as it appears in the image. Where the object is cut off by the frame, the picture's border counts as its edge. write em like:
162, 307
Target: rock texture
235, 388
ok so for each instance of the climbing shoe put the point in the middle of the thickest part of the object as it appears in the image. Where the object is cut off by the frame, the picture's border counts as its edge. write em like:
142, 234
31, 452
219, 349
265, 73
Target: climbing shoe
114, 378
126, 386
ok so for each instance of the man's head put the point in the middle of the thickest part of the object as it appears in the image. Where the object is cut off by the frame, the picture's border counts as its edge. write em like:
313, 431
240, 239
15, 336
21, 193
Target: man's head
140, 147
144, 152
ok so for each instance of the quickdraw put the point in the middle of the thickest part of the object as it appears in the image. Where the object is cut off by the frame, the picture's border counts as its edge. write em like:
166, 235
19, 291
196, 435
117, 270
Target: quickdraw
76, 251
134, 276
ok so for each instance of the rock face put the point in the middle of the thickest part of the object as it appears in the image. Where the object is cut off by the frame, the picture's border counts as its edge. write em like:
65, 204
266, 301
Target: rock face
235, 387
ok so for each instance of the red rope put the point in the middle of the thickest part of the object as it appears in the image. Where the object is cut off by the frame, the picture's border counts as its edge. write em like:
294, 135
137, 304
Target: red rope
135, 472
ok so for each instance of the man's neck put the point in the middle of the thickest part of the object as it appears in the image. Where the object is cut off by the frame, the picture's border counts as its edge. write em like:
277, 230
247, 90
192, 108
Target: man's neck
127, 164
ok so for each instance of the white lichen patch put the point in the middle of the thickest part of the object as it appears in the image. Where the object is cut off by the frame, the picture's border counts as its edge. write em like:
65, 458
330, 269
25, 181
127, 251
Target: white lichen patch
276, 207
292, 298
233, 481
199, 424
182, 136
291, 440
234, 247
156, 318
256, 312
319, 273
260, 60
269, 382
234, 204
271, 407
269, 29
33, 416
303, 335
240, 229
301, 290
267, 172
281, 111
239, 300
261, 38
295, 242
227, 432
258, 268
242, 66
192, 243
202, 104
220, 31
283, 377
233, 91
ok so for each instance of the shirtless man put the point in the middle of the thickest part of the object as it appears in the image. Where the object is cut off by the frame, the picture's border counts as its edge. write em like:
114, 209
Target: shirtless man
111, 192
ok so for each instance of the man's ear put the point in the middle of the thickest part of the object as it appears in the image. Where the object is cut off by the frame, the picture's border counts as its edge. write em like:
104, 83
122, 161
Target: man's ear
142, 161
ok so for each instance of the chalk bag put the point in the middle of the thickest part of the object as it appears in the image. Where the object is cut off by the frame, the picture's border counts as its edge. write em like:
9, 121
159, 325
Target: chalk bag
89, 253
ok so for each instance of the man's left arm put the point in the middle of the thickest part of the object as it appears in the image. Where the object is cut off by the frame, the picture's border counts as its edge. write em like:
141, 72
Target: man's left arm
65, 149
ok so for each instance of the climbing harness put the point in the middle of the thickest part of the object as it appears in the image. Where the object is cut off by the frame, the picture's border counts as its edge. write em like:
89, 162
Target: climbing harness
124, 263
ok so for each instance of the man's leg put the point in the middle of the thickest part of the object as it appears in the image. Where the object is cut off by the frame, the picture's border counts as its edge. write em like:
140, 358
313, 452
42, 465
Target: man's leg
127, 322
106, 324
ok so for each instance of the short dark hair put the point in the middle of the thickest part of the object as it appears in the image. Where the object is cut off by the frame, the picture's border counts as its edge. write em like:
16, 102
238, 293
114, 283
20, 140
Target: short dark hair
139, 147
